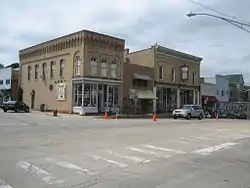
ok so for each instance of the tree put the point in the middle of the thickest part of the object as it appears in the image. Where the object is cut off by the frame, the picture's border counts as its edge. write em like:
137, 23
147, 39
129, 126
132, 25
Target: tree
1, 66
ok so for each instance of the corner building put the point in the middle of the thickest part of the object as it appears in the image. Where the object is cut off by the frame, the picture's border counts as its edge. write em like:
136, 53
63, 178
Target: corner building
76, 73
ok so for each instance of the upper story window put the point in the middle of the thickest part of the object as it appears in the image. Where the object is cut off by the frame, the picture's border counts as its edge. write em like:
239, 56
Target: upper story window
173, 75
7, 81
184, 73
93, 66
140, 83
77, 65
29, 72
52, 69
44, 71
36, 71
114, 69
160, 72
62, 64
194, 73
1, 82
104, 68
218, 93
222, 93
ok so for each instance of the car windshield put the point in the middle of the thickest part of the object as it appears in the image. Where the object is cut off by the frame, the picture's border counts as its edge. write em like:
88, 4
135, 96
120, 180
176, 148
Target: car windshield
186, 107
11, 102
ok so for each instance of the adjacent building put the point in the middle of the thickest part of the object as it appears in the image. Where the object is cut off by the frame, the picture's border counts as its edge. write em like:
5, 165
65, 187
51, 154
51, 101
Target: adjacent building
77, 73
9, 89
175, 76
138, 84
236, 87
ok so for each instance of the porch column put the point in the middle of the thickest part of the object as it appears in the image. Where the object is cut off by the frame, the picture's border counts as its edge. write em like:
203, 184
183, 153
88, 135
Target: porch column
166, 97
82, 94
194, 97
107, 99
178, 98
154, 101
198, 97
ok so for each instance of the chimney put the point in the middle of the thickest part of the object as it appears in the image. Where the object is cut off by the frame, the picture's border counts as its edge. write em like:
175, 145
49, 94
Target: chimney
126, 51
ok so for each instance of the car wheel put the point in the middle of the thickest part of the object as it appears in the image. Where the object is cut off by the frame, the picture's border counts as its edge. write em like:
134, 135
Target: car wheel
189, 116
200, 117
5, 110
175, 117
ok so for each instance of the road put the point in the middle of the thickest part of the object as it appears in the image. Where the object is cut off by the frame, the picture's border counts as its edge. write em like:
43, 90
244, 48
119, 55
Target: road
37, 151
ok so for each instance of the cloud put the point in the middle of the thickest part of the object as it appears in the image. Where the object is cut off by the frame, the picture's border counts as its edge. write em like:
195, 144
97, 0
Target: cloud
224, 48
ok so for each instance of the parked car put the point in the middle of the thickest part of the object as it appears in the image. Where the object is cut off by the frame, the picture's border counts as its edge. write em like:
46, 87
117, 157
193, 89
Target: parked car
240, 115
189, 111
16, 106
227, 114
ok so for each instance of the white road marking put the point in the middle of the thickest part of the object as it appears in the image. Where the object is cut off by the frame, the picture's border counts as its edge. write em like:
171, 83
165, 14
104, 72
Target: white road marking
108, 160
46, 176
4, 185
129, 157
148, 152
163, 149
177, 141
200, 137
68, 165
207, 151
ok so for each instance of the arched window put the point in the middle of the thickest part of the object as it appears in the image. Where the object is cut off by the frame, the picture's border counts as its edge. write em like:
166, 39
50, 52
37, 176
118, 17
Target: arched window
114, 69
93, 66
77, 63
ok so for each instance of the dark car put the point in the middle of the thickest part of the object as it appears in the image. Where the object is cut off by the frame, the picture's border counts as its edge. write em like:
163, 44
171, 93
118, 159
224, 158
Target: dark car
227, 114
241, 115
16, 106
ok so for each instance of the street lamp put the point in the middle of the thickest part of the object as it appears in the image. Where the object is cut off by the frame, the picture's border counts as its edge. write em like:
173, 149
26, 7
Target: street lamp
236, 23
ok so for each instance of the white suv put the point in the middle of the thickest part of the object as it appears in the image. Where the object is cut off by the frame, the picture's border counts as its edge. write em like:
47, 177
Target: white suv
189, 111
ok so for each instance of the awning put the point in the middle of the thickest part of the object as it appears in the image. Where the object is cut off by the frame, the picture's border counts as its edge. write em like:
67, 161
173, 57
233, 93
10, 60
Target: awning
207, 98
145, 94
142, 77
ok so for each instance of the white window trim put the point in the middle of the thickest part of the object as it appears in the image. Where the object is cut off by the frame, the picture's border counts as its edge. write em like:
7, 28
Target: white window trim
93, 66
113, 69
173, 75
77, 65
104, 69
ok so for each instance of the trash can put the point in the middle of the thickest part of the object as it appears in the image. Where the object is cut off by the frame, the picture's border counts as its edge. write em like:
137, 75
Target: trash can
42, 107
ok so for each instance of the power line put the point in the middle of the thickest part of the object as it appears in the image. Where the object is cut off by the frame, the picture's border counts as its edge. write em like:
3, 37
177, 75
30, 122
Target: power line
216, 11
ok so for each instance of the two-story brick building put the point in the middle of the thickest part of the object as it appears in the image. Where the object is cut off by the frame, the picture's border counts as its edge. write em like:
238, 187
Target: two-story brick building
79, 73
176, 76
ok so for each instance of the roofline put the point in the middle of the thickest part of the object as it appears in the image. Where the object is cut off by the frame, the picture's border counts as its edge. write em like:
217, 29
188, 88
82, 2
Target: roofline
67, 35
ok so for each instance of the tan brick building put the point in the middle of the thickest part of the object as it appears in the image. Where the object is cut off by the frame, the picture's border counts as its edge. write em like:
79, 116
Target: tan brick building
176, 76
79, 73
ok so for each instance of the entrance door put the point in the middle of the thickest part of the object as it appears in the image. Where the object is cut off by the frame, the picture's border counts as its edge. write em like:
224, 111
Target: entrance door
32, 100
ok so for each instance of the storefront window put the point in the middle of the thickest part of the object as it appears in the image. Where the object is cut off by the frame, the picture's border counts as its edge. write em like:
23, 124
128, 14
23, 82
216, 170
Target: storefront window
90, 95
116, 96
110, 96
77, 90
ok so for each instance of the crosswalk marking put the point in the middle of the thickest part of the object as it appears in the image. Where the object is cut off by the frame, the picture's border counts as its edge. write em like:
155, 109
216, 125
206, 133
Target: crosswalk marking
164, 149
148, 152
4, 185
201, 138
68, 165
108, 160
177, 141
133, 158
207, 151
46, 176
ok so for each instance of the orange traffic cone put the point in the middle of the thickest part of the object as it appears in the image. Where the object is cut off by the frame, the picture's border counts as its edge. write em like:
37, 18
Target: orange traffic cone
106, 115
217, 117
154, 117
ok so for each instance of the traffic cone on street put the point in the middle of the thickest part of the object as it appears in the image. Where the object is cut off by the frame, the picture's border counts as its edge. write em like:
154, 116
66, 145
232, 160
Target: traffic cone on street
116, 116
106, 115
154, 117
217, 117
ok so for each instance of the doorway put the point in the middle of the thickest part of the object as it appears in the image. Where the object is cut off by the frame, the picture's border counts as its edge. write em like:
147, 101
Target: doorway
32, 99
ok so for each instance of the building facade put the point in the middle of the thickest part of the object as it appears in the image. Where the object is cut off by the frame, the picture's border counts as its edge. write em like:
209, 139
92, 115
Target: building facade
221, 84
236, 87
138, 83
176, 76
76, 73
5, 84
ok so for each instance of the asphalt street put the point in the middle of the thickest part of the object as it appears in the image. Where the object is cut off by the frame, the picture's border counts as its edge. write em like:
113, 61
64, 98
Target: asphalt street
38, 151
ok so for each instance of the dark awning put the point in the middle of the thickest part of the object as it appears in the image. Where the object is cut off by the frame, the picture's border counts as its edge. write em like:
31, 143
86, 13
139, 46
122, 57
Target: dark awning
207, 98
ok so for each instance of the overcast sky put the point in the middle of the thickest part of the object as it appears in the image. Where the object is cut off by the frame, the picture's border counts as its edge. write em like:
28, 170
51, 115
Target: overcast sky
225, 49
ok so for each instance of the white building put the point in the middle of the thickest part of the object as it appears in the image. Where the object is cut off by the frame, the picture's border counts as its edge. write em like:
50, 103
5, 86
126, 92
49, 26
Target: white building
221, 86
5, 83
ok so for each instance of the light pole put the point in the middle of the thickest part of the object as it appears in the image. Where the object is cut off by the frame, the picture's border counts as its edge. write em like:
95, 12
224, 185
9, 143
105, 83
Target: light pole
236, 23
